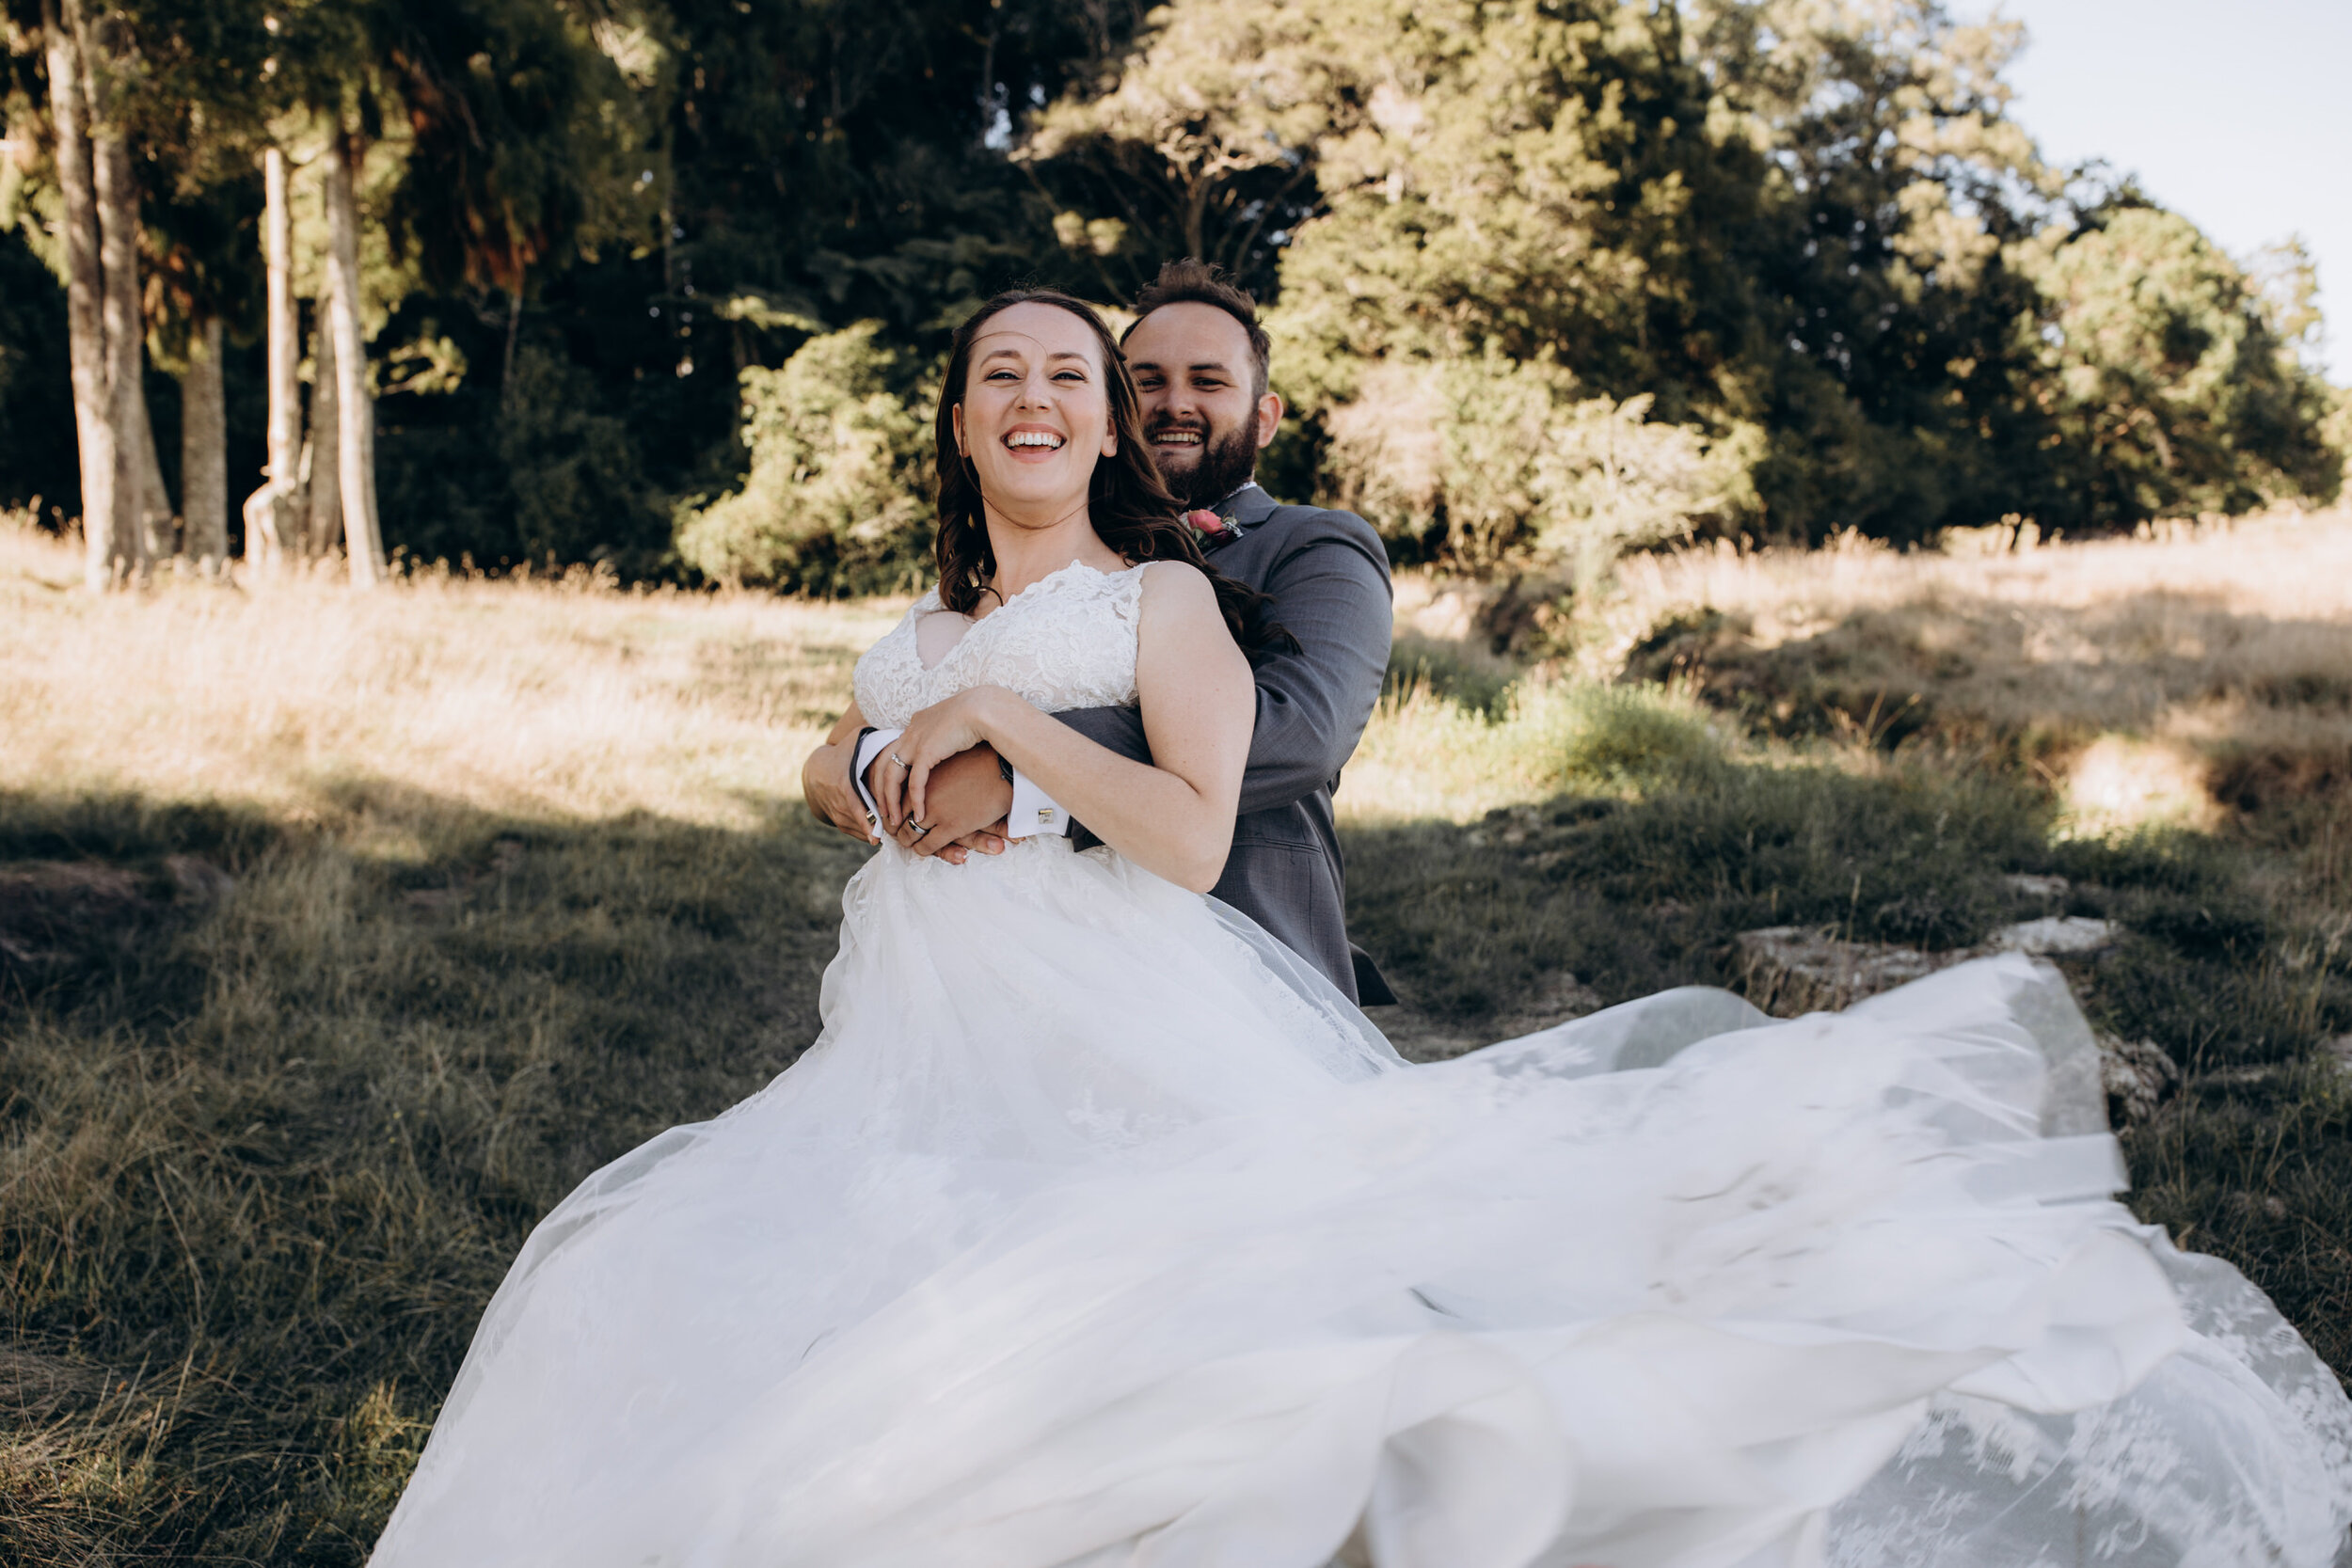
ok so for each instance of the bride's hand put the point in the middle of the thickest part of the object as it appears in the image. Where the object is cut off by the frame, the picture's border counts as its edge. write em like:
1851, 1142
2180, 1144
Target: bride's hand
930, 737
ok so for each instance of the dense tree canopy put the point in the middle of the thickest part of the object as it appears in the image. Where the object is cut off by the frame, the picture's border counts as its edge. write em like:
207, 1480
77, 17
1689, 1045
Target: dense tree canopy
664, 284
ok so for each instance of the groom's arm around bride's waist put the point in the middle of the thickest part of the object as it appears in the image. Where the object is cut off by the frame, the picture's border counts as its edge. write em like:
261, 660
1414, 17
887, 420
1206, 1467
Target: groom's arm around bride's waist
1328, 577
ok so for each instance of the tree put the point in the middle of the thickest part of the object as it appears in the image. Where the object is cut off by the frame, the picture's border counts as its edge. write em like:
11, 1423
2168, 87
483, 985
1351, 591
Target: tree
1807, 235
2173, 394
1516, 213
1201, 144
363, 541
270, 513
101, 269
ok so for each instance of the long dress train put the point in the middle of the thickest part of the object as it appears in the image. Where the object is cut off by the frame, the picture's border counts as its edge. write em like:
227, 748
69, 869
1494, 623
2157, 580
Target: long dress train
1096, 1230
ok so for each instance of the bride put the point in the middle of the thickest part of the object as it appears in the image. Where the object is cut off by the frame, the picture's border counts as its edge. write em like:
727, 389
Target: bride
1097, 1229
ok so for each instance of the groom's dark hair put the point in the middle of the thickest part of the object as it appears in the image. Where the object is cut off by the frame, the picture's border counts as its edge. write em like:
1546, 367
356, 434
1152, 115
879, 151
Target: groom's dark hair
1188, 280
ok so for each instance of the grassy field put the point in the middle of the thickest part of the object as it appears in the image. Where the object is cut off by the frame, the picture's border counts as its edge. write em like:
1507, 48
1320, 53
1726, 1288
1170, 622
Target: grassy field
340, 935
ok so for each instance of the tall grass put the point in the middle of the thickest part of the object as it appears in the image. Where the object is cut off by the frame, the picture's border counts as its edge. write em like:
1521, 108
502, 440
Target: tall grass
559, 697
2219, 656
340, 934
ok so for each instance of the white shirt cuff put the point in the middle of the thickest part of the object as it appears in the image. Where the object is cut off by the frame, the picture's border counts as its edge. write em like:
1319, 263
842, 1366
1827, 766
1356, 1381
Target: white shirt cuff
1033, 812
871, 747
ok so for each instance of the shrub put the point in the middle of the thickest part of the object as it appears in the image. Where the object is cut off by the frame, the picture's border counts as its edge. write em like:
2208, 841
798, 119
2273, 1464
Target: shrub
1514, 464
838, 499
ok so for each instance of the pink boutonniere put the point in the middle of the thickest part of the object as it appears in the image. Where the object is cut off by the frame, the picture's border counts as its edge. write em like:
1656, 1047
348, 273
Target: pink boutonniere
1209, 523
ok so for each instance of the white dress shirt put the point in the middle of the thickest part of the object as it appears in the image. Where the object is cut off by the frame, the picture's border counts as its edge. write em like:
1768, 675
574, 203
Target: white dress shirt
1033, 812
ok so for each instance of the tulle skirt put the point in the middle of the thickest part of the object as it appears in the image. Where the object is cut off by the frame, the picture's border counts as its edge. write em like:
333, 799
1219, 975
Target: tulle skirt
1097, 1229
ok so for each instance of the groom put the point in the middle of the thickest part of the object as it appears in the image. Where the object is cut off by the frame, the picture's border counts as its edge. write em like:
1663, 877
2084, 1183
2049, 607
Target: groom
1200, 360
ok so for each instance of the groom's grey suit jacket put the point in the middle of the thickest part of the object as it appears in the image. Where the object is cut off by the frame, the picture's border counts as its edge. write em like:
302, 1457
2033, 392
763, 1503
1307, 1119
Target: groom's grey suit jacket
1328, 577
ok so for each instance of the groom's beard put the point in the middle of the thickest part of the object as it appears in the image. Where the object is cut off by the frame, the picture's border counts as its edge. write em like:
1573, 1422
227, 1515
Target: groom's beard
1227, 462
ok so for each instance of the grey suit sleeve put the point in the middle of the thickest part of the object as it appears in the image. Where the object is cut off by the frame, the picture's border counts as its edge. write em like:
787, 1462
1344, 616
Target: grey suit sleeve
1330, 591
1119, 728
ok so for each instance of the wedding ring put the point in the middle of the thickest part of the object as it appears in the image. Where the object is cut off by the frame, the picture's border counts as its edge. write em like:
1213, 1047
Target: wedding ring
901, 761
921, 829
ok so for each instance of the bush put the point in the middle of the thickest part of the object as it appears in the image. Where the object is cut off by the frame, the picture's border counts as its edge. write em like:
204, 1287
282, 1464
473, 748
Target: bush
1516, 465
836, 500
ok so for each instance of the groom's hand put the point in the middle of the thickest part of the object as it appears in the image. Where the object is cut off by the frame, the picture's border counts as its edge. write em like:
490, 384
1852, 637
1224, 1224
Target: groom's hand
967, 798
825, 786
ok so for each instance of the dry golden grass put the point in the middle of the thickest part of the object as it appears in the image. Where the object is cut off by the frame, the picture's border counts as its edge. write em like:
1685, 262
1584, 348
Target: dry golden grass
2174, 676
2167, 678
527, 699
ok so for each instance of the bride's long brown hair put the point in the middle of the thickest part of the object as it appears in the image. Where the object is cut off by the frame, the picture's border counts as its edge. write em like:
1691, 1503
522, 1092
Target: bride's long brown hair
1127, 502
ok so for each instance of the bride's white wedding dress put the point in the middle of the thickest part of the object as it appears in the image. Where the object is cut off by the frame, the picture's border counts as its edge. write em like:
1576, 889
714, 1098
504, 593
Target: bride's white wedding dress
1095, 1230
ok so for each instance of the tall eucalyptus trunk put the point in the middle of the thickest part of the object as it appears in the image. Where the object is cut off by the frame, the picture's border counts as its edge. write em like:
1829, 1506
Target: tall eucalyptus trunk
270, 517
125, 320
85, 294
204, 456
322, 462
356, 413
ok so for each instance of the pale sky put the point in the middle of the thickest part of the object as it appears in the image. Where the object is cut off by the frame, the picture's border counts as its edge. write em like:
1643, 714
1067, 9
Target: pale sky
2237, 113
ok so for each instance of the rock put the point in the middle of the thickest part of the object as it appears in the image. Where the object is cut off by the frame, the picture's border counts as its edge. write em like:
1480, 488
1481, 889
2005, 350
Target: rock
2058, 933
2026, 885
2137, 1076
1789, 970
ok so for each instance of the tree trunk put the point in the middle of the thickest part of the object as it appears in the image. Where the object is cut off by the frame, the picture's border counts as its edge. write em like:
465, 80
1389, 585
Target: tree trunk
204, 456
126, 335
322, 477
357, 421
159, 532
84, 295
270, 516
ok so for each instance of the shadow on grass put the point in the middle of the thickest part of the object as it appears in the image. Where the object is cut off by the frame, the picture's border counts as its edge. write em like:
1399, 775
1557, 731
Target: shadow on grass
278, 1110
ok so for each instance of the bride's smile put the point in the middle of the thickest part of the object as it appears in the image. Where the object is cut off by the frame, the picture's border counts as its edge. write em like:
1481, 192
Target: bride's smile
1033, 422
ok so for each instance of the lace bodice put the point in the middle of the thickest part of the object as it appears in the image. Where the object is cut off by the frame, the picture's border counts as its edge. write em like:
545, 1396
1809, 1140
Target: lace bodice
1067, 640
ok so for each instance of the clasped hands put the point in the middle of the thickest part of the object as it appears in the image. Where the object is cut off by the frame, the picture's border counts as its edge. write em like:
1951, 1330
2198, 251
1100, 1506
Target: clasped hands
939, 787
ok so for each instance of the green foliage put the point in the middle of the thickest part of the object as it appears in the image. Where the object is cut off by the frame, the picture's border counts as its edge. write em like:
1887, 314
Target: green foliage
2172, 394
1806, 241
1550, 278
840, 453
568, 463
1491, 463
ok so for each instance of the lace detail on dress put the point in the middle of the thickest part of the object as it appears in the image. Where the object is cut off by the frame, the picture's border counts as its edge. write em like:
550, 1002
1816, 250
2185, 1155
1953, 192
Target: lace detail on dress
1067, 640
